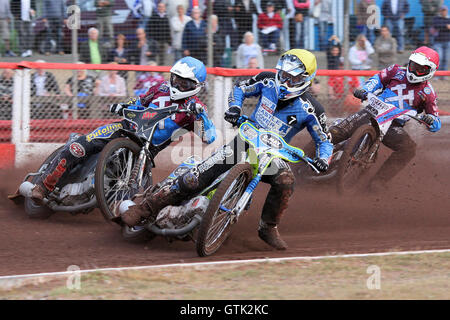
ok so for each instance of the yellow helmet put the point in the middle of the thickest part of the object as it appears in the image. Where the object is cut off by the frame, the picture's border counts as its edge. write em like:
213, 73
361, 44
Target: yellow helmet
296, 70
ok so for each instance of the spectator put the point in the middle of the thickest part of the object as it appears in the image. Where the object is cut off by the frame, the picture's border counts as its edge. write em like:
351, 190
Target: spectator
86, 85
218, 42
224, 10
43, 83
144, 49
54, 13
111, 85
315, 88
270, 24
159, 31
324, 20
143, 10
441, 25
253, 63
6, 93
120, 54
248, 50
177, 23
363, 19
91, 51
5, 19
430, 9
301, 13
359, 54
104, 23
243, 13
194, 41
334, 53
147, 80
385, 48
23, 12
394, 12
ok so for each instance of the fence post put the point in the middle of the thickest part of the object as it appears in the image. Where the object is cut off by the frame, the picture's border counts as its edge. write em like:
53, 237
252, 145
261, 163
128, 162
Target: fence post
16, 116
26, 113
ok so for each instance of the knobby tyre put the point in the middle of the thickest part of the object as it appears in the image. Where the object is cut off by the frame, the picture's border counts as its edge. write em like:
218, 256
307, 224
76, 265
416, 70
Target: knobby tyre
216, 223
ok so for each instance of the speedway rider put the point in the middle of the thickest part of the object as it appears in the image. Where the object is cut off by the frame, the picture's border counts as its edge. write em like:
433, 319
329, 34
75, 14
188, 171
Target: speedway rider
412, 87
187, 78
286, 107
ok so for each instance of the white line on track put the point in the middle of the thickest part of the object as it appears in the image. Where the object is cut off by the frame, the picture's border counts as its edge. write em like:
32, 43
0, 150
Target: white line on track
212, 263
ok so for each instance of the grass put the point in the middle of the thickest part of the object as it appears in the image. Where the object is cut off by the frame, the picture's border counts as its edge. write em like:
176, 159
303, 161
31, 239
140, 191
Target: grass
424, 276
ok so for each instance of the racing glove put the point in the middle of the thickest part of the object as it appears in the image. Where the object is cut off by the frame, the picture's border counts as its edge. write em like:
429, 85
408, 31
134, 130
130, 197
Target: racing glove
433, 122
194, 107
117, 108
360, 94
232, 115
320, 164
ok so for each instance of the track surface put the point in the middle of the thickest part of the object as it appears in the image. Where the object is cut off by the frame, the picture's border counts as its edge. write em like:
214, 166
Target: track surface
413, 214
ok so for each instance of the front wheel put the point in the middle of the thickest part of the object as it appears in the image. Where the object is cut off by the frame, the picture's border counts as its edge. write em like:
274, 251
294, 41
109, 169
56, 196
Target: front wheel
216, 223
354, 161
112, 176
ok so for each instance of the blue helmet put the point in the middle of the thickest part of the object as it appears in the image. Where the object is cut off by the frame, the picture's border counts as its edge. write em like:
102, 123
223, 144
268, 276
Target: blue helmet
187, 78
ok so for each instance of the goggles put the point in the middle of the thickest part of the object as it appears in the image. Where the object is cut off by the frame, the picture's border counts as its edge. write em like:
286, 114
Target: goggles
418, 69
182, 84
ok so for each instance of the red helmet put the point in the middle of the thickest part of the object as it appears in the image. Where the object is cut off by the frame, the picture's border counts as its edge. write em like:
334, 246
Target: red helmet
423, 63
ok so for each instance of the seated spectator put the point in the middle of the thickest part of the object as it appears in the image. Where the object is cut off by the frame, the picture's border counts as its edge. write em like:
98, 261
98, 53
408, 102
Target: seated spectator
144, 50
177, 24
6, 93
270, 24
43, 85
85, 87
253, 63
91, 51
120, 54
334, 54
146, 80
247, 50
194, 41
359, 54
385, 48
441, 30
111, 85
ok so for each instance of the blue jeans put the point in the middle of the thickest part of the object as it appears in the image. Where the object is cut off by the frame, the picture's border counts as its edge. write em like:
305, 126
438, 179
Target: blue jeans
272, 37
397, 28
300, 34
323, 35
443, 49
369, 33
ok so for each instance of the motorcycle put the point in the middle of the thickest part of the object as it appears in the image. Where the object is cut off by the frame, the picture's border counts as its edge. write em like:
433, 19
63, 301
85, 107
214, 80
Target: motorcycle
124, 167
353, 158
214, 210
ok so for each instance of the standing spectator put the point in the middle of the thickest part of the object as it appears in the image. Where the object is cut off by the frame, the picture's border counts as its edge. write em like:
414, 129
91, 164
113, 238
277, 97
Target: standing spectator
54, 13
430, 9
91, 51
224, 10
218, 42
334, 53
194, 41
159, 31
5, 19
23, 12
324, 20
104, 23
144, 49
359, 54
143, 10
385, 48
394, 12
177, 23
147, 80
243, 13
111, 85
248, 50
363, 19
6, 93
441, 24
270, 24
301, 13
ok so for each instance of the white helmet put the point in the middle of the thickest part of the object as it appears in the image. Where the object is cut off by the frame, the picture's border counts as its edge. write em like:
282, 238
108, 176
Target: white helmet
187, 78
422, 65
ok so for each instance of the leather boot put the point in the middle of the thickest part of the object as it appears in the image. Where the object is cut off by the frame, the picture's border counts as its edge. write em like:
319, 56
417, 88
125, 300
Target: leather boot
38, 194
270, 235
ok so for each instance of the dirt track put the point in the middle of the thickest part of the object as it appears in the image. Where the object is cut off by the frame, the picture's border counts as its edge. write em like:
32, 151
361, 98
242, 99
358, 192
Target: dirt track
413, 214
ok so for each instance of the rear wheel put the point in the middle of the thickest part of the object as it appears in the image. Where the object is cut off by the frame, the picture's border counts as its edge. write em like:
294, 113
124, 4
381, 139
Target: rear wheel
32, 209
112, 176
353, 164
216, 223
